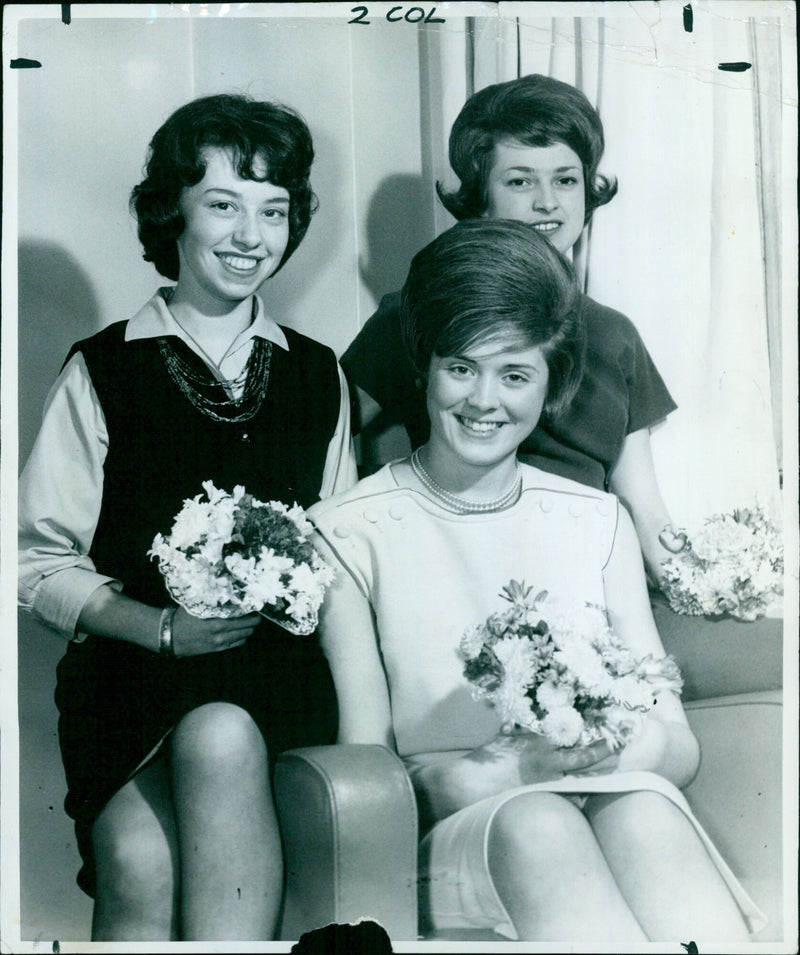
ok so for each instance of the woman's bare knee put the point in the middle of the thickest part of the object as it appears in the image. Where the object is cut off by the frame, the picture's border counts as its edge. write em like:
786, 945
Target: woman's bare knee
218, 733
663, 869
538, 826
231, 862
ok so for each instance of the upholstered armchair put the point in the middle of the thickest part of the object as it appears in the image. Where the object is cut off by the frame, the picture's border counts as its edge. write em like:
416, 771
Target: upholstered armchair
349, 821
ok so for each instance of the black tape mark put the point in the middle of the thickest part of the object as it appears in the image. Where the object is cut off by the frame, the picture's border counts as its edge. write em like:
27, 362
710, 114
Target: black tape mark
66, 14
366, 936
691, 948
56, 947
734, 67
688, 18
22, 64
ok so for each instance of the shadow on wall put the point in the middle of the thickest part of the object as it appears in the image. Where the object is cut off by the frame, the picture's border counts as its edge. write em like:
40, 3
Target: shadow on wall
310, 279
57, 307
399, 224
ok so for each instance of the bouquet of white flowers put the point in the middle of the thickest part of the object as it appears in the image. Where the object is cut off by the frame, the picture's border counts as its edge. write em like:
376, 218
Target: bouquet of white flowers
232, 554
733, 564
557, 669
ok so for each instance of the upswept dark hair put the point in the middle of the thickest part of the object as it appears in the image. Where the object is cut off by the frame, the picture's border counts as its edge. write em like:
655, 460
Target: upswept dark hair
487, 279
534, 110
252, 130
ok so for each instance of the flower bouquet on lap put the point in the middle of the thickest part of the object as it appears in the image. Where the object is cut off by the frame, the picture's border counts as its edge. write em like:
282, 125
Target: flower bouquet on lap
231, 555
733, 564
556, 668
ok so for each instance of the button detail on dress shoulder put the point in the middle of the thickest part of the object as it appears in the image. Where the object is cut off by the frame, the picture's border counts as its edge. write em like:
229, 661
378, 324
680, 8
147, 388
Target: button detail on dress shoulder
371, 515
575, 509
602, 508
341, 531
396, 512
546, 504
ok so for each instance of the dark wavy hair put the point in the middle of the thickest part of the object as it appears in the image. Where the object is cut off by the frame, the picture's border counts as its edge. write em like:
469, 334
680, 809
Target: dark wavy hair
495, 279
251, 130
534, 110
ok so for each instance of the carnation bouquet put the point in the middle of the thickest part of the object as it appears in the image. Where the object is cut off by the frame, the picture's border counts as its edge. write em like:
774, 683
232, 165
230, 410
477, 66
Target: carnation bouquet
232, 554
733, 564
556, 668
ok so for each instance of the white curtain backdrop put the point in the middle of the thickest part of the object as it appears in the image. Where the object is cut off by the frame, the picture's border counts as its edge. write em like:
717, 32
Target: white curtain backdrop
772, 117
690, 249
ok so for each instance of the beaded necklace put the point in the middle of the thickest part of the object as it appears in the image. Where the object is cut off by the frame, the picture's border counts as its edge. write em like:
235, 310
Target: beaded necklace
459, 504
243, 394
209, 395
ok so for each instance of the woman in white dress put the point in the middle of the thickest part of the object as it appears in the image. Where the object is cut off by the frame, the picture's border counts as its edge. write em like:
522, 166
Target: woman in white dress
531, 840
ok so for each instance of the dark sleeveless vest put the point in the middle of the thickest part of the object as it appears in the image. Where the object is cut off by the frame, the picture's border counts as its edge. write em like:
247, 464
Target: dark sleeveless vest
161, 448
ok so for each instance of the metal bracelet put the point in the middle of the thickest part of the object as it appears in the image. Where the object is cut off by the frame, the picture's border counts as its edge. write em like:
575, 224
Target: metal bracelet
671, 541
165, 647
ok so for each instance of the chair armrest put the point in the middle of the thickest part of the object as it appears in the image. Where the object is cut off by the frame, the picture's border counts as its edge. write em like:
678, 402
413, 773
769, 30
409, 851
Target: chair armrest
348, 820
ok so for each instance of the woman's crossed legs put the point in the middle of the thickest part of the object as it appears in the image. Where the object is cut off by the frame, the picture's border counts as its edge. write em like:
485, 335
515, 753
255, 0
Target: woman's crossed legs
189, 848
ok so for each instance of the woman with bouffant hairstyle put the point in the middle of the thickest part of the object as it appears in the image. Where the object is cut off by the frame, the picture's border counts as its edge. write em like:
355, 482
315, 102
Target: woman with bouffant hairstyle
533, 110
490, 280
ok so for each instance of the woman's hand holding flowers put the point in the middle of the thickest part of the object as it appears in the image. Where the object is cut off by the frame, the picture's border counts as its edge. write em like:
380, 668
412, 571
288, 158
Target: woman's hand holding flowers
510, 759
231, 554
192, 636
539, 760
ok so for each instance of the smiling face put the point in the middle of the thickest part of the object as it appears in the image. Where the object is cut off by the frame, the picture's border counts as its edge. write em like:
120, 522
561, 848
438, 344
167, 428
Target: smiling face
483, 403
540, 185
235, 234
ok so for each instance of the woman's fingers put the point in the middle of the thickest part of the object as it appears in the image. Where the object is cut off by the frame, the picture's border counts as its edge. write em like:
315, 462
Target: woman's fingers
673, 541
608, 764
192, 636
578, 758
239, 624
540, 760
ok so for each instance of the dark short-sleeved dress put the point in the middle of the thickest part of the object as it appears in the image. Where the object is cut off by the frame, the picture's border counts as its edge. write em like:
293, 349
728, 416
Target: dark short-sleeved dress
621, 392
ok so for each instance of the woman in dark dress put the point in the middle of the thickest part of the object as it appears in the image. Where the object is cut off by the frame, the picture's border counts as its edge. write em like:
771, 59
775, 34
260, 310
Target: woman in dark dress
169, 723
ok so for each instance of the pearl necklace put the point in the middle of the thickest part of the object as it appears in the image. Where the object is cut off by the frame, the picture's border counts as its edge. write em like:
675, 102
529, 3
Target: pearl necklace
459, 504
